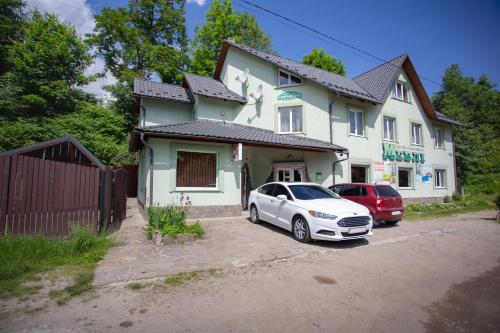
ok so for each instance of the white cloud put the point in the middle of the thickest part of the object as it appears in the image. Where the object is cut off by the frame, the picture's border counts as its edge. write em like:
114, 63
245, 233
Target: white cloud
198, 2
78, 14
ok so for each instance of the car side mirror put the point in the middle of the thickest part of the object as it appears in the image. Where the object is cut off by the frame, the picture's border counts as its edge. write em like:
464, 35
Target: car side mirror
281, 197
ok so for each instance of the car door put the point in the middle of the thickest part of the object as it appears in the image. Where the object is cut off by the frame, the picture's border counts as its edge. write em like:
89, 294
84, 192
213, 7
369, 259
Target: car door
282, 210
264, 201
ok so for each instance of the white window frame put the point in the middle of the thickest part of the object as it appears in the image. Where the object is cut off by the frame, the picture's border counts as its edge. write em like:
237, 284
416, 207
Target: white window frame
357, 126
439, 178
413, 133
194, 189
394, 139
290, 110
410, 172
395, 92
290, 83
438, 143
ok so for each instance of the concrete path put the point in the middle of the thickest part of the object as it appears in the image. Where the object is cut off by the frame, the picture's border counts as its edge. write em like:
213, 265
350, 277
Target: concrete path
228, 242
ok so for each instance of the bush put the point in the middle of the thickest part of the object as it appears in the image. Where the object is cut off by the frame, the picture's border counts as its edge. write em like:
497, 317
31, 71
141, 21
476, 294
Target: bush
446, 199
456, 196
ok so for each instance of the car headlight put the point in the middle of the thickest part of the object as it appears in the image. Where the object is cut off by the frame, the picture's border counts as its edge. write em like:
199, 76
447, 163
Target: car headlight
322, 215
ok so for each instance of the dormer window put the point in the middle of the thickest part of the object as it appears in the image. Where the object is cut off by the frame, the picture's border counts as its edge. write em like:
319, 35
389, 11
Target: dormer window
287, 79
400, 91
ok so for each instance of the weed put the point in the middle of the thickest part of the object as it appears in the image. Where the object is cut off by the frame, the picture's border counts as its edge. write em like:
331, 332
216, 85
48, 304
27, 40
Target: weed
185, 277
136, 285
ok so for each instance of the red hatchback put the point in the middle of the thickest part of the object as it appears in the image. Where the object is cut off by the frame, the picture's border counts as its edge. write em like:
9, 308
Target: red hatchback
384, 202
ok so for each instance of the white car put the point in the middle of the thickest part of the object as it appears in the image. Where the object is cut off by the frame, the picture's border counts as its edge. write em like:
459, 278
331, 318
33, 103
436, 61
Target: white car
309, 211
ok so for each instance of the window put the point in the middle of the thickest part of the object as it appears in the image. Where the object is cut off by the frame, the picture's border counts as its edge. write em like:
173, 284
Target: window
267, 189
400, 92
416, 134
351, 191
389, 128
438, 137
287, 79
290, 119
356, 123
280, 189
311, 192
439, 178
337, 189
405, 178
196, 169
386, 191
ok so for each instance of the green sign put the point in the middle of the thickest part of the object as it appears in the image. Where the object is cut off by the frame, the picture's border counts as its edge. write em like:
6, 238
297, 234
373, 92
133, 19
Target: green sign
393, 154
287, 95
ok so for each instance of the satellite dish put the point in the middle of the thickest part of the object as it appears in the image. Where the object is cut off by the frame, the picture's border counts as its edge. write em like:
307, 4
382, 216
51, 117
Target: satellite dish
258, 93
244, 77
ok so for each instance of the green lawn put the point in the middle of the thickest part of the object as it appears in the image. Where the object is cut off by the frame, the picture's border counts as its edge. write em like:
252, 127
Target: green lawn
23, 259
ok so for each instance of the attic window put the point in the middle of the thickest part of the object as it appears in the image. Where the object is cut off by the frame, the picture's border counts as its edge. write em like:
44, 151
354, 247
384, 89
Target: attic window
400, 91
287, 79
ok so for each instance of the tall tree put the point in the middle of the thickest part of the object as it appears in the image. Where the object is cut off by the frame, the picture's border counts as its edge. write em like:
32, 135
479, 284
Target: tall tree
49, 64
147, 38
11, 19
221, 22
320, 59
476, 103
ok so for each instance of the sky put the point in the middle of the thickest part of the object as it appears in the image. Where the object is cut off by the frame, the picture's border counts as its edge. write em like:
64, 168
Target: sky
435, 34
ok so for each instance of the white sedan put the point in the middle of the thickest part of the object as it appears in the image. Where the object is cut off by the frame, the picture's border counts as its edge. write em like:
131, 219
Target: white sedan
309, 211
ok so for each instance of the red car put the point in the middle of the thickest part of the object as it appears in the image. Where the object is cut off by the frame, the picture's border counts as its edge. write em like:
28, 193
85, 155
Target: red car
384, 202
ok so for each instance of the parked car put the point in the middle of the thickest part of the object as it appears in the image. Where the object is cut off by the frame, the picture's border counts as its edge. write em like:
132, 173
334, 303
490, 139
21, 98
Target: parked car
309, 211
384, 202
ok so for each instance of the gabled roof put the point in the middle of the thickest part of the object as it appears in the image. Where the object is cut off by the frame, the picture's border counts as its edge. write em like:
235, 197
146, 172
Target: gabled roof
377, 80
209, 87
334, 82
166, 91
227, 132
60, 149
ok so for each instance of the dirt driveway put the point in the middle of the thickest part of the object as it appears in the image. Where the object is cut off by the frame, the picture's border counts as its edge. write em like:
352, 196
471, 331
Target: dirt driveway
432, 275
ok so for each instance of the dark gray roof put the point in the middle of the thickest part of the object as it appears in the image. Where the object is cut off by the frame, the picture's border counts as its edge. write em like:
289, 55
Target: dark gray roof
444, 118
161, 90
377, 80
209, 87
235, 133
337, 83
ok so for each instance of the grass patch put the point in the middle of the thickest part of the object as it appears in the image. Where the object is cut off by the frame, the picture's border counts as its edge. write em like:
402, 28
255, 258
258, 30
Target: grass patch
137, 285
22, 258
418, 211
185, 277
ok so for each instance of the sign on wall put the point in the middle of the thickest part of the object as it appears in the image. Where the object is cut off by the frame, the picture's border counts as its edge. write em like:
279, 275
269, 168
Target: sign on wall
378, 171
288, 95
237, 152
402, 153
424, 174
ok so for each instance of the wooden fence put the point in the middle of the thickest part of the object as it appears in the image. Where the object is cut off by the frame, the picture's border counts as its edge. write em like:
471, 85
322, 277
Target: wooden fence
49, 197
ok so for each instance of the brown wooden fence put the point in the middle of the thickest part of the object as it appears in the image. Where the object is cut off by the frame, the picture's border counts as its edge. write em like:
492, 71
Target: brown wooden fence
49, 197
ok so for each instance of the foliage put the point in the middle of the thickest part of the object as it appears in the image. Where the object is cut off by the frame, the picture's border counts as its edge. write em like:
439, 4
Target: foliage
123, 103
146, 38
11, 28
21, 257
469, 204
222, 22
97, 128
47, 65
475, 103
171, 219
320, 59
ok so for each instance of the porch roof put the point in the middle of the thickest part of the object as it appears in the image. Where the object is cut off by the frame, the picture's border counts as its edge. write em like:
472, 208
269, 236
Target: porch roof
227, 132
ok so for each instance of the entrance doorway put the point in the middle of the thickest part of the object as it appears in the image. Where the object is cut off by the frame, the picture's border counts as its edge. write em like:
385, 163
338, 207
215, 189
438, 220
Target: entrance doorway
359, 174
289, 172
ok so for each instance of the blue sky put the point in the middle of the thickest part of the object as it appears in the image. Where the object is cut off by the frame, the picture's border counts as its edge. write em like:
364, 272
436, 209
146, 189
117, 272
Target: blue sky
435, 34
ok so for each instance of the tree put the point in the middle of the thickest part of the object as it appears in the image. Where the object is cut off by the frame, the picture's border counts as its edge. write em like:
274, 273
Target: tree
11, 19
147, 38
320, 59
48, 64
476, 103
222, 22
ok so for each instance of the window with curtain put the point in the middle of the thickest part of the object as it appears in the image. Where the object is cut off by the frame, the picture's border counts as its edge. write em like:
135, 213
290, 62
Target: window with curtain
356, 126
389, 128
439, 178
438, 137
290, 119
196, 169
416, 134
400, 91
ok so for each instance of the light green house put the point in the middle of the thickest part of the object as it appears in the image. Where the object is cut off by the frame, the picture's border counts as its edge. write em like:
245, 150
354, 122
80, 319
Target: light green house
264, 118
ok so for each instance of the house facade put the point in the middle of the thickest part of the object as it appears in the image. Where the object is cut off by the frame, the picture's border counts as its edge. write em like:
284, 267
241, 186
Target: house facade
263, 118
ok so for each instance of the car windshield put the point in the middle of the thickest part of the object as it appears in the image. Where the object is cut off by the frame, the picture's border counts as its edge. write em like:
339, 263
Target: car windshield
386, 191
311, 192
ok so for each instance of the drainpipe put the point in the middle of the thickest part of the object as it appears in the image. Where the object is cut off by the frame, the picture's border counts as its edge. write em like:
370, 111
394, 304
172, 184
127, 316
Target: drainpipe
143, 109
330, 114
151, 159
337, 162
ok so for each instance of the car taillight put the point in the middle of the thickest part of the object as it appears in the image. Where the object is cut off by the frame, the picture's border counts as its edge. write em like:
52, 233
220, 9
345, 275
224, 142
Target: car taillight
379, 201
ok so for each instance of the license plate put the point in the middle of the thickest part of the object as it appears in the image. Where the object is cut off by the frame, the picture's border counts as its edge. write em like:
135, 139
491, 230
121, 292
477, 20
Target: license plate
356, 230
396, 212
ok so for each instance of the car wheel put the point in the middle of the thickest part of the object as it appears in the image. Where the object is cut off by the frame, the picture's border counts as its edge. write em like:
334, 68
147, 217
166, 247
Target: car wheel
391, 222
301, 230
254, 214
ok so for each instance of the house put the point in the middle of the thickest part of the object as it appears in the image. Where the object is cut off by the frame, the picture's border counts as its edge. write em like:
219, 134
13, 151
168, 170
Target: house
263, 117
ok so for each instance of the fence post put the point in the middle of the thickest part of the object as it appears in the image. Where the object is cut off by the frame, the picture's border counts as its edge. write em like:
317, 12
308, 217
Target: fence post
4, 191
